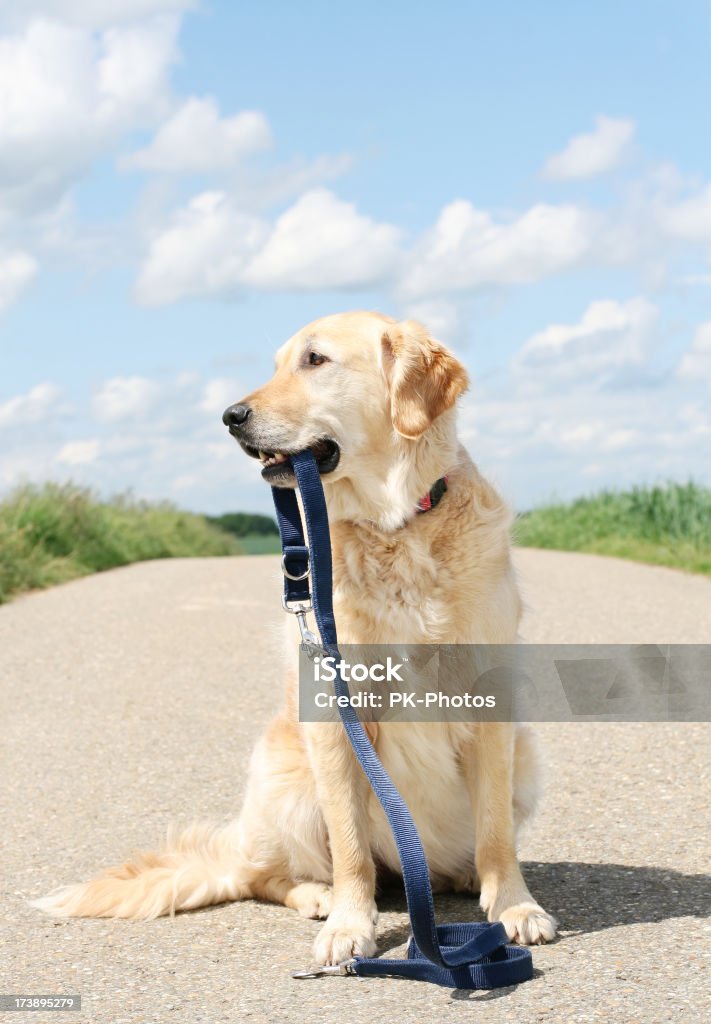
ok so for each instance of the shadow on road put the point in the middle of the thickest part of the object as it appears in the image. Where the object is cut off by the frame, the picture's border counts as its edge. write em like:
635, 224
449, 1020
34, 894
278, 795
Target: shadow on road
592, 897
584, 897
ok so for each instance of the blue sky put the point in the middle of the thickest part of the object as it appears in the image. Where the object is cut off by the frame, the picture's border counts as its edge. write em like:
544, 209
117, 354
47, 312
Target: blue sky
184, 185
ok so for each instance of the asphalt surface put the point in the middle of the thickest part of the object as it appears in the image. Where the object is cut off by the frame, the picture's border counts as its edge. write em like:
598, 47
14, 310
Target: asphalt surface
131, 700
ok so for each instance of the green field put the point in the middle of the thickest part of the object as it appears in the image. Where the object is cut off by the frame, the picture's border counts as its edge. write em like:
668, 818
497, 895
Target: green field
256, 533
55, 533
666, 525
259, 544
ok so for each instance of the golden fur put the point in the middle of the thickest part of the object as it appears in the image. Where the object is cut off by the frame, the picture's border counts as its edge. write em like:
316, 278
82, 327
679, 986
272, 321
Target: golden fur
310, 833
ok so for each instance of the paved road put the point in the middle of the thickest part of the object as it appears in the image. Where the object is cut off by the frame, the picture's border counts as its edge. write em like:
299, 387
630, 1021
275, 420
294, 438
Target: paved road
131, 700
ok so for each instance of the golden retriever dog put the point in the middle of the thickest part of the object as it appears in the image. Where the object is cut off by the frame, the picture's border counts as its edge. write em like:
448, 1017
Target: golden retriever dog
375, 399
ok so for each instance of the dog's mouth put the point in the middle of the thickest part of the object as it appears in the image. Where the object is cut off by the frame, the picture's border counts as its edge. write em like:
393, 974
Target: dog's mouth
276, 466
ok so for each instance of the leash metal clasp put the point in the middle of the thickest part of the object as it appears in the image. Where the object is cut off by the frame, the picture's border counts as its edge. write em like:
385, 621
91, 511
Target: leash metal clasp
346, 967
299, 609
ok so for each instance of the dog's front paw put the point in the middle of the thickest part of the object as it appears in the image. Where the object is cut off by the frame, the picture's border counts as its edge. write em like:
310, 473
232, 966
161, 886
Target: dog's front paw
527, 924
346, 933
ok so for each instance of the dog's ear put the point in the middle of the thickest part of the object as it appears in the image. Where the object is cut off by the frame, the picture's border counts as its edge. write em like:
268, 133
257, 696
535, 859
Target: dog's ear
423, 377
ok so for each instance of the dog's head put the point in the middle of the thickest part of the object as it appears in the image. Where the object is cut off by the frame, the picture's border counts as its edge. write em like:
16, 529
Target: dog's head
372, 398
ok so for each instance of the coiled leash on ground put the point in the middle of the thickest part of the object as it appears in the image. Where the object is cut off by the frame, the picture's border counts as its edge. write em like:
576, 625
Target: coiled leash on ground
465, 956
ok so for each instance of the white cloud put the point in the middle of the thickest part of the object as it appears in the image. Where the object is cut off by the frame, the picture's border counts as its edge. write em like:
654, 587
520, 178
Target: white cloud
88, 13
78, 453
323, 242
593, 153
546, 440
688, 219
580, 434
541, 444
196, 139
444, 318
610, 337
696, 362
218, 393
125, 398
203, 252
618, 440
132, 68
182, 399
532, 442
44, 401
696, 417
17, 269
467, 248
213, 248
67, 95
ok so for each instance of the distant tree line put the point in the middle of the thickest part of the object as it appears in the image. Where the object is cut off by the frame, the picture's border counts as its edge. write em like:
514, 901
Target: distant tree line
245, 524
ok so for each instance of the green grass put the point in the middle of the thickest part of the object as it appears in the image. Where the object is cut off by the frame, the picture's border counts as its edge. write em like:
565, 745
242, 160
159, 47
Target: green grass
245, 524
260, 544
665, 525
54, 533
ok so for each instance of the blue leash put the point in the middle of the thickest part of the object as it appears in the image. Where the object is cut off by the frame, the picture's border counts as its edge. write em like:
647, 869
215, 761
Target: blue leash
464, 956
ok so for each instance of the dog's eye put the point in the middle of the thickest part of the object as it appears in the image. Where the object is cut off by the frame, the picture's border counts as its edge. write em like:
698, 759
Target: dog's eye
316, 359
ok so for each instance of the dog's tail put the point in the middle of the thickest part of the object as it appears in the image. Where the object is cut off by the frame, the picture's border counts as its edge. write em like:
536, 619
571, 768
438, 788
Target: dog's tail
201, 866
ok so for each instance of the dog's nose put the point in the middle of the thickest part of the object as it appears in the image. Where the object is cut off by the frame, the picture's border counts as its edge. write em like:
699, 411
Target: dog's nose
235, 415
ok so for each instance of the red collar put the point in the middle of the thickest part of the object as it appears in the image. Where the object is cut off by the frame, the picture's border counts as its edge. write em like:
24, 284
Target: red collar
433, 496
